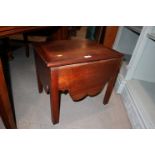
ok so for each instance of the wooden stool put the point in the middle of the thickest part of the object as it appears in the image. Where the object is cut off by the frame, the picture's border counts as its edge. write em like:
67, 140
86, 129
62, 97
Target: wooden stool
80, 67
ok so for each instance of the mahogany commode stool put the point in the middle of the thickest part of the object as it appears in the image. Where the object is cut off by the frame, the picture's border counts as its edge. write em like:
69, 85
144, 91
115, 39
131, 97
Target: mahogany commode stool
80, 67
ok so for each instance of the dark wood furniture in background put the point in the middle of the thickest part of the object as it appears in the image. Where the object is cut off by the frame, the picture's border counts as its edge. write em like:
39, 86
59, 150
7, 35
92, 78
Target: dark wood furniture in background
6, 32
109, 35
48, 34
6, 109
39, 35
80, 67
6, 105
106, 35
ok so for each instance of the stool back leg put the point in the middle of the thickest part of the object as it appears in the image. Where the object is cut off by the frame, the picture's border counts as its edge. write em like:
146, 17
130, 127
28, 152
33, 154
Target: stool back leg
40, 86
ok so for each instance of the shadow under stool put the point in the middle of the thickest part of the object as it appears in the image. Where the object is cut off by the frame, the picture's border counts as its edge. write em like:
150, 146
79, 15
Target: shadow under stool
79, 67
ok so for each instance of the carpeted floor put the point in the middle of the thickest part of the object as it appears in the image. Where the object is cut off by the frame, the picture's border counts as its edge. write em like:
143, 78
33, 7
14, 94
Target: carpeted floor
33, 109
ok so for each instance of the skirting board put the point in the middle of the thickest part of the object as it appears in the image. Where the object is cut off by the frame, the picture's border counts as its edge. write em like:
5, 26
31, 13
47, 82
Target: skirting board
133, 113
136, 115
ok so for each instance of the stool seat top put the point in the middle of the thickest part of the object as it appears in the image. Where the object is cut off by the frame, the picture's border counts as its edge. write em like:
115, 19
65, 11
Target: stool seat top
66, 52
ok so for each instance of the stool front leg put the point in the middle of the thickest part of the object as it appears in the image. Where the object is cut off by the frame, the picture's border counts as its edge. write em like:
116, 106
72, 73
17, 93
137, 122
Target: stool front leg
54, 96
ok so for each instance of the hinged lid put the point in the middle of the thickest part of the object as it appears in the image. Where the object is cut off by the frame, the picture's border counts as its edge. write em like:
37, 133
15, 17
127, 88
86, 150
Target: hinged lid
66, 52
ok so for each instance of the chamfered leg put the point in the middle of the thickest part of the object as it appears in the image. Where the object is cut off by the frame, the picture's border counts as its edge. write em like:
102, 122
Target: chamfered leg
109, 89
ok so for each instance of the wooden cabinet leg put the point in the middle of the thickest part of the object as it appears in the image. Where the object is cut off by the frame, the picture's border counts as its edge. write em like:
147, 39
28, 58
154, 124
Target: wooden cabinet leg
54, 97
5, 106
109, 89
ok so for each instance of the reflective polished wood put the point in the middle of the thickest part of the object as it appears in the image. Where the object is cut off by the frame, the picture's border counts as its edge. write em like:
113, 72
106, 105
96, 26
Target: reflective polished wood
80, 67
